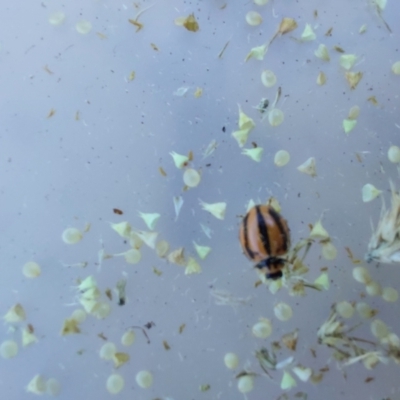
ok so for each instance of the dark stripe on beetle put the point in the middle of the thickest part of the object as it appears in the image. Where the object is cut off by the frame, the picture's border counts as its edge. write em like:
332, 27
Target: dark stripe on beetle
263, 230
277, 219
245, 237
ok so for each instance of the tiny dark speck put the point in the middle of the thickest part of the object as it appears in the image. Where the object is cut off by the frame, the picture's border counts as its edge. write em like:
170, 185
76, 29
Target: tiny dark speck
223, 129
298, 194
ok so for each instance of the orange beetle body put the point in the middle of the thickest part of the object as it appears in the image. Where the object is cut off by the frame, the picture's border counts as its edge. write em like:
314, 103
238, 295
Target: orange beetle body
265, 237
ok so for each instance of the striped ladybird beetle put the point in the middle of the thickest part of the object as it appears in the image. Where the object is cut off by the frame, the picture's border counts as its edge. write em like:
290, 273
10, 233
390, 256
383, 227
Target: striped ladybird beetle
265, 237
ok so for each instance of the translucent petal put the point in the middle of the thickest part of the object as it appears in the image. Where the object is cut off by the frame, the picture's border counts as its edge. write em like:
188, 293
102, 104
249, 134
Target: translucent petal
191, 177
347, 61
370, 192
268, 78
192, 267
308, 34
349, 125
150, 219
394, 154
308, 167
287, 381
255, 153
216, 209
245, 383
253, 18
202, 251
179, 160
144, 379
231, 360
322, 52
282, 157
257, 52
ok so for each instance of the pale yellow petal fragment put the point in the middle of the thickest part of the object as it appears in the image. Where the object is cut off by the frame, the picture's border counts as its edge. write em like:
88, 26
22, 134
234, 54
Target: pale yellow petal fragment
379, 329
354, 112
245, 122
177, 257
253, 18
329, 251
349, 125
373, 289
370, 192
380, 4
283, 311
70, 326
192, 267
323, 281
394, 154
128, 337
191, 177
353, 78
162, 248
274, 203
198, 92
101, 310
202, 251
179, 21
347, 61
287, 25
282, 157
287, 382
321, 79
261, 2
107, 351
144, 379
308, 34
257, 52
262, 329
275, 117
57, 18
390, 294
191, 24
361, 274
322, 52
120, 359
241, 136
345, 309
179, 159
132, 256
115, 383
88, 283
15, 314
79, 315
37, 385
53, 387
362, 29
83, 27
31, 269
131, 76
268, 78
28, 337
245, 384
308, 167
150, 219
71, 235
8, 349
148, 237
122, 228
396, 68
216, 209
231, 360
302, 372
255, 154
